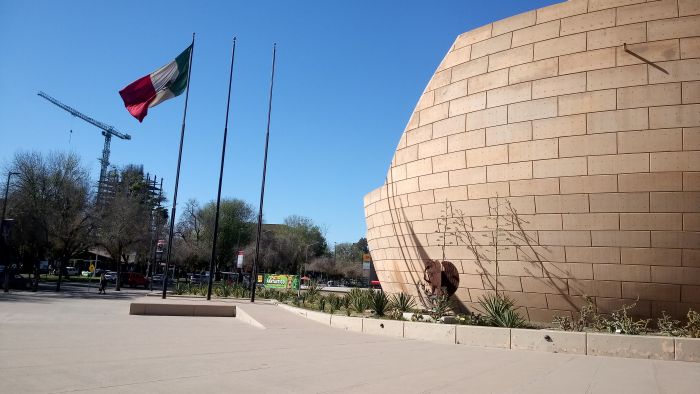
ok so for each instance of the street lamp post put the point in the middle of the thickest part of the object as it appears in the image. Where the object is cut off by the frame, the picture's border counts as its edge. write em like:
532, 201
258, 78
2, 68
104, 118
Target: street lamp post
2, 232
306, 260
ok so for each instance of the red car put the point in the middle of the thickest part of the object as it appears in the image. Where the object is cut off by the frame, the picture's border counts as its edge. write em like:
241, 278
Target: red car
133, 279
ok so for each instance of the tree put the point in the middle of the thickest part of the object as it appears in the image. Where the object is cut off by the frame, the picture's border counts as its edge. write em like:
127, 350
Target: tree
125, 215
52, 205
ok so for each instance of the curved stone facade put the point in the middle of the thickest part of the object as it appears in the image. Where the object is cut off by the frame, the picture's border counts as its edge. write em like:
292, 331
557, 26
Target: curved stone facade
584, 117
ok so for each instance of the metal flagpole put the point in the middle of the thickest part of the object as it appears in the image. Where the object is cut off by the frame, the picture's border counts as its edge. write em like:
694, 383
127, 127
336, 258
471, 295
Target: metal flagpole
177, 175
254, 272
221, 175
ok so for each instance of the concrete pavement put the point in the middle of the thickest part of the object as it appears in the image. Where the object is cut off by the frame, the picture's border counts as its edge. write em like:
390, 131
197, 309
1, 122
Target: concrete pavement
87, 343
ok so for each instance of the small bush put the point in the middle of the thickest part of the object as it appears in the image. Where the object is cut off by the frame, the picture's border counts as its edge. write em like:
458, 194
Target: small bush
500, 311
692, 328
669, 326
334, 303
403, 302
620, 322
470, 319
359, 299
379, 302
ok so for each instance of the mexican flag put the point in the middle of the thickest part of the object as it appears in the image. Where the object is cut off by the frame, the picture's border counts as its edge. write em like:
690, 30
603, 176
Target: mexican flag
166, 82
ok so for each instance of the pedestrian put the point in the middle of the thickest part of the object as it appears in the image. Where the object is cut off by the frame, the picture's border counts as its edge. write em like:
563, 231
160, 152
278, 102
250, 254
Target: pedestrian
103, 284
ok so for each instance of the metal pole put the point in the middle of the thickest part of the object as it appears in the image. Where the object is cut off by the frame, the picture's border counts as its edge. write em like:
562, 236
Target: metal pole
254, 272
221, 176
6, 285
177, 176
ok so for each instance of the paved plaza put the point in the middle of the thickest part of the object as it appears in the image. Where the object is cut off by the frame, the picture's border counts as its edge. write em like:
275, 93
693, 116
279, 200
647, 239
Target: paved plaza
79, 341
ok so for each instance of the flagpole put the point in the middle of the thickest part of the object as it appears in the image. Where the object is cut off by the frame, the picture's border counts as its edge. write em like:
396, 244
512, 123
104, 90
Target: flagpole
254, 278
221, 175
177, 175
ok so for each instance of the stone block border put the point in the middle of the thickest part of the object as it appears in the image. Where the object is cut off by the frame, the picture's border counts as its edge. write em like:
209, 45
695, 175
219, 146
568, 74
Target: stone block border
587, 343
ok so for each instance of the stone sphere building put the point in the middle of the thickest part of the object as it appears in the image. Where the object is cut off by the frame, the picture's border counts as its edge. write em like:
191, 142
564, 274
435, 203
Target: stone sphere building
577, 126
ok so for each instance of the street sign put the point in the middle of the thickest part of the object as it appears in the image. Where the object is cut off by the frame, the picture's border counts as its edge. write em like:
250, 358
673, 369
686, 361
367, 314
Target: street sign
91, 268
366, 257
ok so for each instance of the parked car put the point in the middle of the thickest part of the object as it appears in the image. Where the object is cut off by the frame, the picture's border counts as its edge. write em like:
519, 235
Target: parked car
111, 276
72, 271
17, 281
197, 279
133, 279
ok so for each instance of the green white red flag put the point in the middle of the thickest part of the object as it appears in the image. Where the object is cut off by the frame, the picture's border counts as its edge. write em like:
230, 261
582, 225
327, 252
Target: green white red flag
166, 82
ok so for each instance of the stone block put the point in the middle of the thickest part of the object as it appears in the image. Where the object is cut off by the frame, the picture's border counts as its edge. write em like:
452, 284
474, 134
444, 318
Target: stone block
657, 51
488, 190
614, 36
595, 5
688, 7
586, 61
467, 140
546, 221
442, 333
691, 181
433, 181
513, 132
487, 118
497, 337
594, 288
676, 239
601, 100
540, 32
651, 291
406, 186
533, 150
690, 294
630, 346
470, 69
687, 349
514, 23
559, 167
647, 12
675, 161
418, 168
617, 164
540, 286
619, 202
383, 327
509, 94
676, 275
586, 22
549, 341
568, 270
688, 26
450, 161
617, 77
691, 93
319, 317
535, 70
591, 221
622, 120
635, 239
347, 323
508, 172
562, 10
596, 255
651, 221
647, 256
419, 135
585, 145
622, 272
473, 36
433, 114
405, 155
450, 92
491, 45
467, 176
691, 221
564, 238
471, 103
556, 86
491, 80
439, 79
674, 201
420, 198
559, 127
690, 47
534, 109
426, 100
511, 57
650, 141
433, 147
588, 184
676, 71
560, 46
533, 187
456, 57
489, 155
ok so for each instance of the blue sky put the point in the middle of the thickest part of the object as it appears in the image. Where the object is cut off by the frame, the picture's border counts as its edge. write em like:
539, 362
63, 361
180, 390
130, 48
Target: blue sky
348, 76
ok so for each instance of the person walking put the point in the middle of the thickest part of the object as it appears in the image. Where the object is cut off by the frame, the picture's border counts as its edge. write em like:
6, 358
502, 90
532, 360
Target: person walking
103, 284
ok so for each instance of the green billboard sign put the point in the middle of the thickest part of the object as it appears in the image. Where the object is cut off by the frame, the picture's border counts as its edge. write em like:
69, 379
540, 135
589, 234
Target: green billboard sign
282, 281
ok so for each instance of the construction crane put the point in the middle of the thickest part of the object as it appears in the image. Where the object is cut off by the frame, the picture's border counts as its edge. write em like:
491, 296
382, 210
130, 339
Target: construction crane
107, 131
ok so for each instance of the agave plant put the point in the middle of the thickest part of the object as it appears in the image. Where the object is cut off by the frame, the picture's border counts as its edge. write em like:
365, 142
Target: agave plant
403, 302
359, 299
500, 311
379, 302
334, 303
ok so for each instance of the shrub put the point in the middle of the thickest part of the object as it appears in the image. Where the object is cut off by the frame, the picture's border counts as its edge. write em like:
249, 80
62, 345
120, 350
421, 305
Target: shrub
500, 311
403, 302
440, 306
470, 319
620, 322
334, 303
359, 299
312, 292
379, 302
693, 326
586, 315
669, 326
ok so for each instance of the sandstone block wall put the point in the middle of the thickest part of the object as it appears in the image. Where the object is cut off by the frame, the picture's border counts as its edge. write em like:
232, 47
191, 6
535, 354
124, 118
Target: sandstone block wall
584, 116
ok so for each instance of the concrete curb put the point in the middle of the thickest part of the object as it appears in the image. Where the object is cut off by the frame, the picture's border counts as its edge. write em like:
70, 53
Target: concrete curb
182, 309
553, 341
